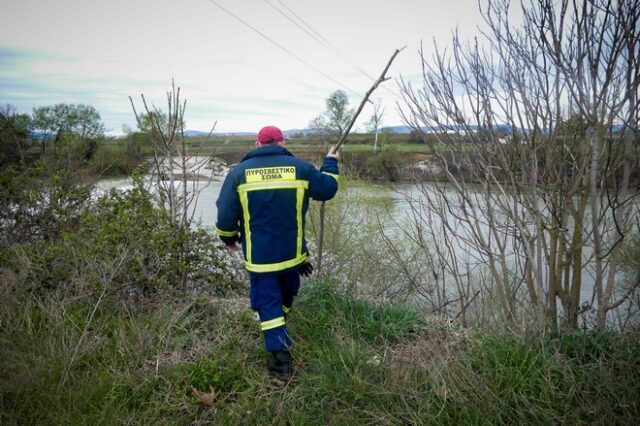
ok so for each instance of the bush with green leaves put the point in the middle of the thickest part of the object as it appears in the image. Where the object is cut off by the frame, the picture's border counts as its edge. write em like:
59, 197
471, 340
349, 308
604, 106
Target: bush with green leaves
383, 166
37, 206
121, 240
14, 136
146, 247
118, 157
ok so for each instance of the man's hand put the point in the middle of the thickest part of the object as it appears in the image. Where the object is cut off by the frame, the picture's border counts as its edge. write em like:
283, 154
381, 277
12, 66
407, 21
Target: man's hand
333, 152
306, 269
233, 247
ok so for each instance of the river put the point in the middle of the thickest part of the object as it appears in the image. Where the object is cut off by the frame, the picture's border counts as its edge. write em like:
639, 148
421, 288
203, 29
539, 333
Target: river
395, 216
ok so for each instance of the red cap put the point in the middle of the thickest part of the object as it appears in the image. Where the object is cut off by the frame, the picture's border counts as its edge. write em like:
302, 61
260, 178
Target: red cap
270, 134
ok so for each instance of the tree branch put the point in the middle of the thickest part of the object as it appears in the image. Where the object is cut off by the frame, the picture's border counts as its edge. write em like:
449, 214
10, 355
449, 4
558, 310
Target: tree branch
343, 137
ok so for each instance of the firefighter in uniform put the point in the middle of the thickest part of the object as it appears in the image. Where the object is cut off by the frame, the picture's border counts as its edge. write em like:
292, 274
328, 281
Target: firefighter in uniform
262, 206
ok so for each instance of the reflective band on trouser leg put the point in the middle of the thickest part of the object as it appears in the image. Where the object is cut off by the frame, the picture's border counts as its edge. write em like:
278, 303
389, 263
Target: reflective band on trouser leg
274, 323
266, 299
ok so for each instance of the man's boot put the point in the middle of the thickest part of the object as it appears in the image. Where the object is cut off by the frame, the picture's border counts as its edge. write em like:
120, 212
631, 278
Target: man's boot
280, 364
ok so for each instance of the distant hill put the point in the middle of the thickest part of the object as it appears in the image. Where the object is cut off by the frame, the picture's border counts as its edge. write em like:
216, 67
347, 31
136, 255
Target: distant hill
192, 133
294, 133
397, 129
288, 134
297, 133
198, 133
434, 129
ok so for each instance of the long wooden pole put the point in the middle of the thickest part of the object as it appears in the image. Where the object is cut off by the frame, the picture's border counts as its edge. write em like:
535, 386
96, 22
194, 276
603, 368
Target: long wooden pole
343, 138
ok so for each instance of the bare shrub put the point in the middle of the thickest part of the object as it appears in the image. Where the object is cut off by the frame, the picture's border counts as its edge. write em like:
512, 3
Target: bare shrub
536, 132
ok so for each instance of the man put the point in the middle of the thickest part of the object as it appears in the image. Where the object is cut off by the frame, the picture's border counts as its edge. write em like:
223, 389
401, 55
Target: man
262, 204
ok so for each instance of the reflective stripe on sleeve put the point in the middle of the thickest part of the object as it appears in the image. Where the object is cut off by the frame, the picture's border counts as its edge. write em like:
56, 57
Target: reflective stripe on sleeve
274, 323
226, 233
333, 175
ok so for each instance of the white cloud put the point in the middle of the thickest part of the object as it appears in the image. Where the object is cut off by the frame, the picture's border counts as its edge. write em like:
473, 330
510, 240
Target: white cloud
101, 52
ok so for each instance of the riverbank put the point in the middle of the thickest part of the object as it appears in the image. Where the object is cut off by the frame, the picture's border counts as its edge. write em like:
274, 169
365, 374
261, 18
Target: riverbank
391, 165
199, 360
192, 168
108, 317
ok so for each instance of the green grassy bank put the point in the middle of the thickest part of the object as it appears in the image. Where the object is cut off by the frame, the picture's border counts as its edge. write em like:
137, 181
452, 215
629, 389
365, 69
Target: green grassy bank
180, 360
120, 156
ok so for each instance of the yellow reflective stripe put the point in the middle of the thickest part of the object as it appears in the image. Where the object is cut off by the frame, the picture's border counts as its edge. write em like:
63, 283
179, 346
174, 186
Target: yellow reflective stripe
286, 309
226, 233
274, 323
275, 267
333, 175
244, 201
243, 190
299, 200
283, 184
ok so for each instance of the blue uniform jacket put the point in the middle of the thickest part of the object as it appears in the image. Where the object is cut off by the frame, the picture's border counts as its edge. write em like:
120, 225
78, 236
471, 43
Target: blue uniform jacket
263, 203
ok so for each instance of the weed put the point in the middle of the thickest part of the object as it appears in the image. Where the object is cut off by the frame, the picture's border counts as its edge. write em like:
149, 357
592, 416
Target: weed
200, 361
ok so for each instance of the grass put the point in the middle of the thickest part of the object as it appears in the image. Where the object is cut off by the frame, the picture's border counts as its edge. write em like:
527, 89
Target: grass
225, 145
201, 361
119, 156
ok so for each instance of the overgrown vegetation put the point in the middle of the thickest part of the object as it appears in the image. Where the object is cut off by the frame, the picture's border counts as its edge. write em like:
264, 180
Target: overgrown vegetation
543, 193
118, 307
96, 327
56, 234
200, 360
358, 229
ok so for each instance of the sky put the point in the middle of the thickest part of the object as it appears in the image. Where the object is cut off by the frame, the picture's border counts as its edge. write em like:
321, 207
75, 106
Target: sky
103, 52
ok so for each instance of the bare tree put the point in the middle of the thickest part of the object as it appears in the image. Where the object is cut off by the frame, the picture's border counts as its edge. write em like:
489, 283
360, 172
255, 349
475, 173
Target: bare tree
176, 166
536, 137
375, 122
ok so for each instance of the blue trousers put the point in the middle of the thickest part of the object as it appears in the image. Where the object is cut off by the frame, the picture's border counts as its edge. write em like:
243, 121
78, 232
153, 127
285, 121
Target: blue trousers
272, 296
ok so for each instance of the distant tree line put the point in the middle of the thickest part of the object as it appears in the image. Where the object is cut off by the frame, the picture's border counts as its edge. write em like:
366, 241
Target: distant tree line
72, 130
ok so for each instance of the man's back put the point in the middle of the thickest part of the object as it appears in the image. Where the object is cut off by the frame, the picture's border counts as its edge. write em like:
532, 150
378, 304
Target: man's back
266, 197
